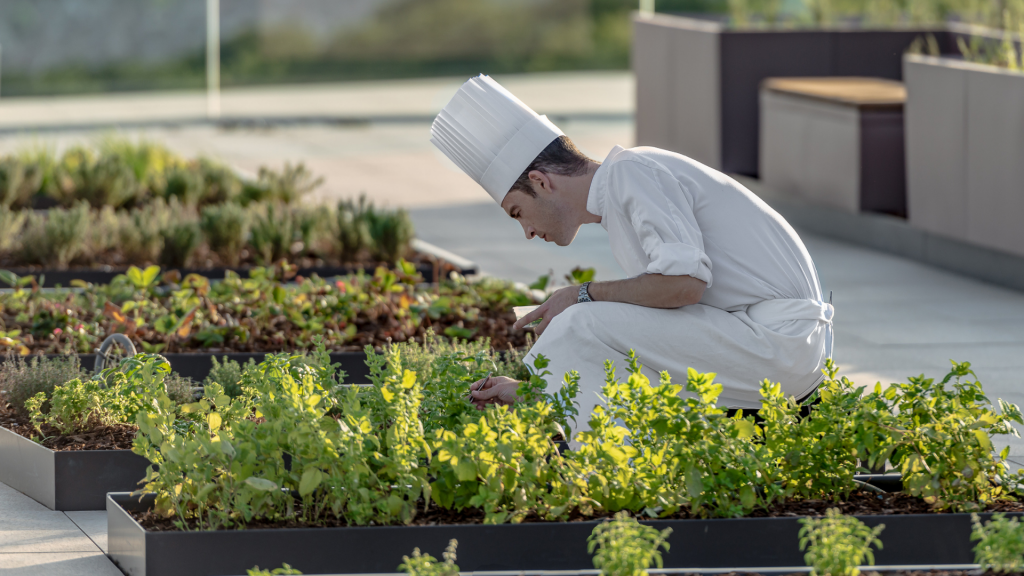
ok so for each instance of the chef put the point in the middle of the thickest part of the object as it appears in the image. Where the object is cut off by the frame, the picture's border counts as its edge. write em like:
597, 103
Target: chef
718, 281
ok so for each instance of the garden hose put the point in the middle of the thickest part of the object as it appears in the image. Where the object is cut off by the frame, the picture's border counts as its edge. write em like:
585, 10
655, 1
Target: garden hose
103, 352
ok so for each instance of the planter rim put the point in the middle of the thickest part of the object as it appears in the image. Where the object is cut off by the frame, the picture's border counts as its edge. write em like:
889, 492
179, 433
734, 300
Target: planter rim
52, 451
118, 497
755, 570
702, 25
960, 64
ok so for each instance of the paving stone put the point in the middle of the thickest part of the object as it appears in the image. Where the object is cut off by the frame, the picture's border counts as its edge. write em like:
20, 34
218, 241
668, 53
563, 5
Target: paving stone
57, 564
93, 523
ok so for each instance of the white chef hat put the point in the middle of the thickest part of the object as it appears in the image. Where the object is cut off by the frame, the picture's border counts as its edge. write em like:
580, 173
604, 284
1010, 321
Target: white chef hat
490, 134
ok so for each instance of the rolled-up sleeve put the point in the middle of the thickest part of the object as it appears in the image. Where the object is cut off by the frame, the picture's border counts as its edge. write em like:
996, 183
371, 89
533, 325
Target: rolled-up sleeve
667, 229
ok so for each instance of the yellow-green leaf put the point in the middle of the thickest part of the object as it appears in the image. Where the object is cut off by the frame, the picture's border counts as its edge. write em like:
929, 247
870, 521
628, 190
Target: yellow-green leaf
311, 478
466, 470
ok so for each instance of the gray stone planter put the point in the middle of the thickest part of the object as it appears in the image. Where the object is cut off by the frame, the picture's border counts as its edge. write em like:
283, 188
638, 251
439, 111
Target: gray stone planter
965, 151
697, 82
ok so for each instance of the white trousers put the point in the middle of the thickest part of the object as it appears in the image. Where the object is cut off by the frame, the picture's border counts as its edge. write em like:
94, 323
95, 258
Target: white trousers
785, 341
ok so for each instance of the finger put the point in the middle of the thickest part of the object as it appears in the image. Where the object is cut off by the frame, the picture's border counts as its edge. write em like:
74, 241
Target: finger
488, 394
481, 384
538, 313
542, 326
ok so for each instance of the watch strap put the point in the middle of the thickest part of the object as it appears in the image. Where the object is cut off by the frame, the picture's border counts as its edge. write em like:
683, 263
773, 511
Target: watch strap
584, 295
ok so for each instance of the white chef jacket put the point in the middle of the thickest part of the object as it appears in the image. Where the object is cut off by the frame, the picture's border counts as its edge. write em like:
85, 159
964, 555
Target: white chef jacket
761, 316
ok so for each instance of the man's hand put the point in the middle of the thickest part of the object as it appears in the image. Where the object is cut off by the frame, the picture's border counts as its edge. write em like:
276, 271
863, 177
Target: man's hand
556, 304
497, 390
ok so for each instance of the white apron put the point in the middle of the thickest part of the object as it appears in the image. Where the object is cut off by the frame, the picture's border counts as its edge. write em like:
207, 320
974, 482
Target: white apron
784, 340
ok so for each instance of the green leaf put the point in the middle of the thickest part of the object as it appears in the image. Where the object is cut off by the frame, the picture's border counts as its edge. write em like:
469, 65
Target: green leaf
694, 484
747, 496
466, 470
149, 275
744, 429
9, 278
134, 274
983, 439
261, 484
165, 324
541, 283
311, 478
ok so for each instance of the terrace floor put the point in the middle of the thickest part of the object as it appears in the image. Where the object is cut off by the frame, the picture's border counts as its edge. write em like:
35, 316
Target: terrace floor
894, 317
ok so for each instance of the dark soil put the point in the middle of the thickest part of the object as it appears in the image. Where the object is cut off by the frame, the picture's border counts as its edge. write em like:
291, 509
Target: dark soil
858, 503
117, 437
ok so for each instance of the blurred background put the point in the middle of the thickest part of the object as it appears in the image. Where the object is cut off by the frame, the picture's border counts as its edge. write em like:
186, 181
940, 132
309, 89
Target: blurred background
69, 46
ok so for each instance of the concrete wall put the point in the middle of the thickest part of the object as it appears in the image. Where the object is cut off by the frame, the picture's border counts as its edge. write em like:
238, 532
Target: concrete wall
678, 98
37, 35
715, 74
965, 151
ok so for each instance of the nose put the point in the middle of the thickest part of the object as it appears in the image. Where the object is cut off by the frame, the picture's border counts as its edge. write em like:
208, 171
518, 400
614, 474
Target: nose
530, 231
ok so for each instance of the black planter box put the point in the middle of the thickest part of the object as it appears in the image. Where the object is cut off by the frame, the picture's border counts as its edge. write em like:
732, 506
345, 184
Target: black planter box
67, 480
932, 539
52, 278
697, 82
196, 365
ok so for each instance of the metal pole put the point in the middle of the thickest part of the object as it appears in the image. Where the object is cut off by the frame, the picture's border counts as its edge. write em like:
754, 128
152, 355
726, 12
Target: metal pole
213, 58
647, 8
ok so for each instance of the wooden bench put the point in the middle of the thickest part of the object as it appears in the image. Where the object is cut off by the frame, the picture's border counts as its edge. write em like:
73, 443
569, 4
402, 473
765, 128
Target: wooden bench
835, 141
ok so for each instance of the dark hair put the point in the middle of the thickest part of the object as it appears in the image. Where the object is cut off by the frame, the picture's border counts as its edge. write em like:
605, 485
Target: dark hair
561, 157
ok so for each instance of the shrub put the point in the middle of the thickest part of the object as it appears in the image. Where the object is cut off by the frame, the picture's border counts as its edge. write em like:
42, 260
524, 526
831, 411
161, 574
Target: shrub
141, 232
624, 547
225, 227
351, 231
272, 234
21, 379
114, 396
56, 238
1000, 546
104, 230
106, 180
220, 183
181, 241
837, 545
180, 389
427, 565
11, 222
228, 374
391, 233
286, 186
184, 183
19, 181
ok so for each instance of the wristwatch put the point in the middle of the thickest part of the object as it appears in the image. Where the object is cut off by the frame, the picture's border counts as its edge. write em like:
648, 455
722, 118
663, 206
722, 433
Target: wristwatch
584, 293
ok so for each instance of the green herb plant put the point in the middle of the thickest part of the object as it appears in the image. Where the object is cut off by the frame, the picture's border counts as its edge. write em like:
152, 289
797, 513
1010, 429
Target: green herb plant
284, 569
113, 396
1000, 546
838, 545
624, 547
426, 565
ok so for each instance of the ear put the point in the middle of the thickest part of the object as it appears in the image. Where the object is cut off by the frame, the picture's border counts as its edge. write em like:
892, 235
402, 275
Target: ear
540, 181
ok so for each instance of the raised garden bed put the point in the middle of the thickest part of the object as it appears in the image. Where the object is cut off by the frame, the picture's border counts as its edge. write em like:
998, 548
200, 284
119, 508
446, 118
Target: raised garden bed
265, 313
67, 479
197, 365
431, 262
910, 539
